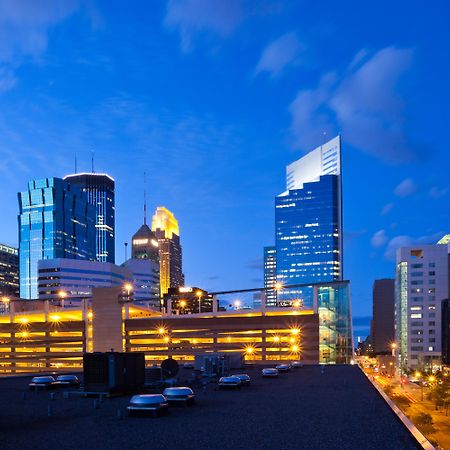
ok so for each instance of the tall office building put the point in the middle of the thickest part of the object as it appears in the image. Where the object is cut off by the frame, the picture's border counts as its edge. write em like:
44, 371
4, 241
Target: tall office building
99, 188
165, 227
144, 266
445, 331
270, 275
308, 222
9, 271
422, 283
383, 308
55, 221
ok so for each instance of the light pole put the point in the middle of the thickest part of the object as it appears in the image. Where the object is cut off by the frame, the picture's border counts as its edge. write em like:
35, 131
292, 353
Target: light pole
62, 295
278, 287
199, 295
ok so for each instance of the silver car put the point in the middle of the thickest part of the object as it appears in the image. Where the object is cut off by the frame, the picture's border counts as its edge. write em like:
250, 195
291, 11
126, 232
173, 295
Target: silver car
183, 395
153, 404
230, 382
283, 367
270, 372
296, 364
44, 383
67, 381
245, 379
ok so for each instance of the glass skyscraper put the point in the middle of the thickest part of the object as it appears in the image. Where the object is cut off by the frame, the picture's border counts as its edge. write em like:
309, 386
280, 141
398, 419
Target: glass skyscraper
308, 222
99, 188
55, 221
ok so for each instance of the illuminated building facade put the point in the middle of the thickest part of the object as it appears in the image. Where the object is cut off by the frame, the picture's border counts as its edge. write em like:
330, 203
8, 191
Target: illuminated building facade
422, 283
270, 274
42, 334
144, 267
99, 189
308, 223
187, 300
165, 227
9, 271
76, 278
55, 221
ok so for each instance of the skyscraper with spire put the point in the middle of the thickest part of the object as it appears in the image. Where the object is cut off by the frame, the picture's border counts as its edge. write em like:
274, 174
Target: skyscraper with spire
165, 227
144, 264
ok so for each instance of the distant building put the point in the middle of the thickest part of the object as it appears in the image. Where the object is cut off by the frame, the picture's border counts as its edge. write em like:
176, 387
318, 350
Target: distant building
422, 283
165, 227
9, 271
445, 332
308, 222
270, 275
55, 221
99, 188
145, 245
187, 300
76, 278
257, 300
383, 308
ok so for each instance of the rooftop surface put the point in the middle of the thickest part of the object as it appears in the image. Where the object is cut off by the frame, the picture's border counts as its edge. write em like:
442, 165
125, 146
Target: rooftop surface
302, 409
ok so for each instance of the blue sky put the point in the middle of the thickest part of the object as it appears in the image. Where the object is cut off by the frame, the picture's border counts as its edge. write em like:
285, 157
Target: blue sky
213, 98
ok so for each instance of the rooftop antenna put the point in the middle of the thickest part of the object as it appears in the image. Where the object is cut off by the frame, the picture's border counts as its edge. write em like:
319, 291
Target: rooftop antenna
76, 168
145, 198
92, 161
126, 253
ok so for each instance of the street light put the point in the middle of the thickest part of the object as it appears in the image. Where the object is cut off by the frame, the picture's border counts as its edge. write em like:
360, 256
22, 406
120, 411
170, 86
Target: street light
62, 295
393, 347
5, 301
128, 287
237, 304
183, 303
278, 287
199, 295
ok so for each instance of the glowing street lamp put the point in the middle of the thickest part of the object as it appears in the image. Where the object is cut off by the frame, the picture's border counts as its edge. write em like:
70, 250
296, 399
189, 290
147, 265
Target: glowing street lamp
237, 304
161, 330
393, 347
6, 302
278, 287
296, 303
128, 288
199, 295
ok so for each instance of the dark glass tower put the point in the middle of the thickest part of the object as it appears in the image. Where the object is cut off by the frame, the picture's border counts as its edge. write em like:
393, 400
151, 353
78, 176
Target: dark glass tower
99, 188
9, 271
308, 223
55, 221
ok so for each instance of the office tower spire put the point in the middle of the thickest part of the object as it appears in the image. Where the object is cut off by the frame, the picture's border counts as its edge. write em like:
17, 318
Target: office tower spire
145, 198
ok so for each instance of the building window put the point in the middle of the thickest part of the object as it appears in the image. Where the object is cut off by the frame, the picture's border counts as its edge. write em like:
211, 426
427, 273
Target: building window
433, 281
431, 290
432, 273
432, 265
416, 316
432, 324
416, 266
416, 282
431, 348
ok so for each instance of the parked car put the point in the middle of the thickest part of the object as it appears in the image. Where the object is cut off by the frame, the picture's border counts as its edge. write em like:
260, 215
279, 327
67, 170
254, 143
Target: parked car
283, 367
188, 365
245, 378
230, 382
270, 372
151, 404
181, 395
296, 364
44, 383
67, 381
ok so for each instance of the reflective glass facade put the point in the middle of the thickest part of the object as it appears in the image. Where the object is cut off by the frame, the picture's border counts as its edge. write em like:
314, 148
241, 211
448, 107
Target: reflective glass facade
308, 236
55, 221
99, 189
335, 323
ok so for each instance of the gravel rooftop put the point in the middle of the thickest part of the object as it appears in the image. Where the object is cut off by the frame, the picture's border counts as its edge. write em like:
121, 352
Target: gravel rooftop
302, 409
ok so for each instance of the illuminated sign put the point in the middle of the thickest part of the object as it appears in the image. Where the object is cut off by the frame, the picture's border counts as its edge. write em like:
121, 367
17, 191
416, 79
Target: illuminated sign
185, 289
140, 241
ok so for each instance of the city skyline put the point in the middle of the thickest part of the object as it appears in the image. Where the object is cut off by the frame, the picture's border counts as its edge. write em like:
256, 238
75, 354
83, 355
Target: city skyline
214, 140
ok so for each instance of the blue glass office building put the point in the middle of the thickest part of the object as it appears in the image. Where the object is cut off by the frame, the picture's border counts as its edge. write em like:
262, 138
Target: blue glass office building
308, 224
55, 221
99, 188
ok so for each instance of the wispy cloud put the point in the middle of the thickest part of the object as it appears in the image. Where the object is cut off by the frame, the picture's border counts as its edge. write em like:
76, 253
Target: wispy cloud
211, 17
256, 264
24, 28
406, 188
363, 103
278, 54
437, 192
379, 239
387, 208
408, 241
